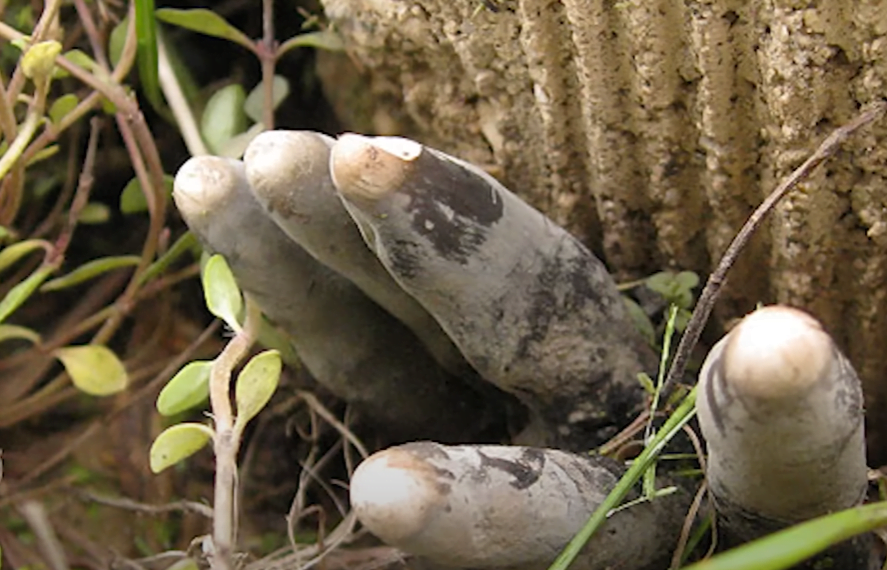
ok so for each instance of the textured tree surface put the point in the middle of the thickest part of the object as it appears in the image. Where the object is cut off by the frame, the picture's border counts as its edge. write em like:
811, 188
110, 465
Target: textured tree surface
651, 129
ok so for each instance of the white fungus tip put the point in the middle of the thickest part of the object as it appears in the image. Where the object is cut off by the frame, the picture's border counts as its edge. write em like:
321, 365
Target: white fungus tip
286, 157
204, 183
394, 495
285, 168
371, 168
777, 353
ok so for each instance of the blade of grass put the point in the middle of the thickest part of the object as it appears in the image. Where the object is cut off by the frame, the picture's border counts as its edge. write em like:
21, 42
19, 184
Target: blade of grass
650, 475
146, 34
178, 249
672, 426
21, 292
788, 547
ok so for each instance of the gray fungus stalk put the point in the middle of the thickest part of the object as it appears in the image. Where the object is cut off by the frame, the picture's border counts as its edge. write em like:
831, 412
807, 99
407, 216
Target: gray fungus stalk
288, 171
530, 307
348, 343
782, 411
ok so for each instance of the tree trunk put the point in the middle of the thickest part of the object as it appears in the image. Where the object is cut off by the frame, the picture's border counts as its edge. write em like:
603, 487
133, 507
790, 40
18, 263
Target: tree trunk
651, 129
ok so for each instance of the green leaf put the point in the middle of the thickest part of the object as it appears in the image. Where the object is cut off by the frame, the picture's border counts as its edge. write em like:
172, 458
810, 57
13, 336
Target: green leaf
326, 39
236, 145
223, 116
272, 336
662, 283
176, 443
117, 41
39, 59
94, 213
647, 383
187, 389
108, 107
21, 292
43, 154
45, 185
146, 51
223, 298
255, 385
132, 199
12, 253
61, 107
81, 59
676, 288
90, 270
687, 279
205, 22
10, 332
20, 43
94, 369
640, 320
791, 546
181, 246
255, 101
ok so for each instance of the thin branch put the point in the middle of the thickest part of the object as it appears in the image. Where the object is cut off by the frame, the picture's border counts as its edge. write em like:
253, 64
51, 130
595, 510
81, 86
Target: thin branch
227, 439
130, 505
717, 279
268, 57
17, 148
701, 492
678, 555
47, 540
178, 103
331, 419
43, 27
84, 188
92, 32
8, 125
145, 156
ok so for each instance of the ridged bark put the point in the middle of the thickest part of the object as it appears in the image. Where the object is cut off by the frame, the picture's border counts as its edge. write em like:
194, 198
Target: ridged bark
650, 129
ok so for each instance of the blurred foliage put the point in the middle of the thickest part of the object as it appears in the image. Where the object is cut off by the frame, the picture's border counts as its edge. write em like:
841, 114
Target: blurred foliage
99, 298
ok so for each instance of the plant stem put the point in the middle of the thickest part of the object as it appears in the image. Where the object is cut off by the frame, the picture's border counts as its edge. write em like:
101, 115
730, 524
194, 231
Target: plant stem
268, 57
178, 103
8, 125
226, 441
15, 150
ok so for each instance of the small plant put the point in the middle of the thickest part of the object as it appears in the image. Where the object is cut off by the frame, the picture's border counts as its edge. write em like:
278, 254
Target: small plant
231, 118
189, 388
676, 289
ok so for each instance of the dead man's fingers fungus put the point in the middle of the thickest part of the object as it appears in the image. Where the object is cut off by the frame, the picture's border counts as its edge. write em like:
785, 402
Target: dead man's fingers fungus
781, 410
347, 342
289, 174
529, 306
492, 506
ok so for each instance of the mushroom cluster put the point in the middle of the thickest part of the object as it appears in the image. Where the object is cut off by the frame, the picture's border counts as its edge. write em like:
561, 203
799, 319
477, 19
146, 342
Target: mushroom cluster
443, 307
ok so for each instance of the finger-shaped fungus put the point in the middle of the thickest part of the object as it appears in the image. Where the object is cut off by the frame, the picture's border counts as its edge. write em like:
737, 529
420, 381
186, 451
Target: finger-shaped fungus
498, 507
782, 412
347, 342
530, 307
288, 172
